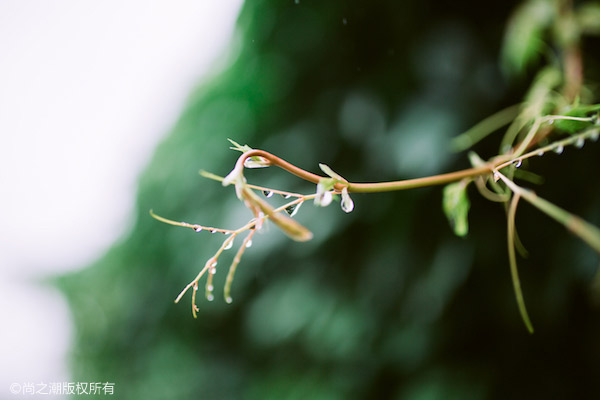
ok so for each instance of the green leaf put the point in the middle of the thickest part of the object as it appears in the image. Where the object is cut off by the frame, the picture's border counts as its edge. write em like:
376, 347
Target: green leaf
588, 18
456, 206
523, 37
580, 111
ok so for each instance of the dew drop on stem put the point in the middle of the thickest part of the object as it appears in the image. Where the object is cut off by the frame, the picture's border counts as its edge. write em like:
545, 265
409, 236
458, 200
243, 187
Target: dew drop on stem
210, 297
268, 193
198, 229
540, 153
213, 231
594, 135
559, 149
496, 176
228, 300
286, 196
293, 209
228, 245
518, 163
579, 142
249, 243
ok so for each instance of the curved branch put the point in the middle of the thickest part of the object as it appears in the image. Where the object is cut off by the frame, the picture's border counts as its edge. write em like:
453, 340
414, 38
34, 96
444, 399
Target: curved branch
368, 187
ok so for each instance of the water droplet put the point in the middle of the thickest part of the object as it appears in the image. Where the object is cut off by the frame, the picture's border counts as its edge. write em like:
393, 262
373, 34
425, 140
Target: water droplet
594, 135
293, 209
268, 193
198, 229
347, 203
579, 142
559, 149
210, 288
259, 162
210, 297
249, 243
228, 245
551, 121
347, 206
228, 300
518, 163
195, 288
286, 196
496, 176
213, 231
214, 264
540, 153
213, 271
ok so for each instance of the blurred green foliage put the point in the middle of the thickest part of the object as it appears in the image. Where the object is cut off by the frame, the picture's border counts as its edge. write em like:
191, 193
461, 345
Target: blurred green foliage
384, 302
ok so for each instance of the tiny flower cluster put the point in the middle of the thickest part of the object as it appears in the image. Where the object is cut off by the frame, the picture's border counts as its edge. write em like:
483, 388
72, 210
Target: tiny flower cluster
262, 211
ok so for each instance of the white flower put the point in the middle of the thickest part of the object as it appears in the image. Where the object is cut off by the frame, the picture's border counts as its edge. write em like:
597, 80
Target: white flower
236, 177
324, 195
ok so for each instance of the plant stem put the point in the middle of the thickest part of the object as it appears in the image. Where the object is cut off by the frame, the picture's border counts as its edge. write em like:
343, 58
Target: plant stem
586, 231
373, 187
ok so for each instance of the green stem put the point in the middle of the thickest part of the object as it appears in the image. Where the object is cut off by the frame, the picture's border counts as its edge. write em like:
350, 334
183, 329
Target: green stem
371, 187
586, 231
512, 210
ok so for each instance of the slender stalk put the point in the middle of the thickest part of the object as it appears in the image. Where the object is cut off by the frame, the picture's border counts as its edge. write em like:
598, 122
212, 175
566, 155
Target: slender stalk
512, 210
371, 187
586, 231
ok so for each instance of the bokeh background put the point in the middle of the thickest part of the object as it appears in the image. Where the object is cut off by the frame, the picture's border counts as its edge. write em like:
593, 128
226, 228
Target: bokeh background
384, 302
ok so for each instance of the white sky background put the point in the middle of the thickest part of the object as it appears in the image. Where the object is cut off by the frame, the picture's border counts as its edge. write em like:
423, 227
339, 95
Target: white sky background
87, 89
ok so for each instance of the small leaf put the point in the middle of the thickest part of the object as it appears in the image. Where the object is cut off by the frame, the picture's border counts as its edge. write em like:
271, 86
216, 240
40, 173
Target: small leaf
523, 37
588, 18
239, 147
329, 172
580, 111
456, 207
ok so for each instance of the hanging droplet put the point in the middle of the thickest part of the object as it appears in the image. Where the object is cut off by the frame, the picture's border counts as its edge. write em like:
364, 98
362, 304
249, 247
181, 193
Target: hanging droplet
210, 288
214, 264
293, 209
195, 288
551, 121
212, 271
286, 196
228, 300
559, 149
347, 203
213, 231
210, 297
198, 229
594, 135
518, 163
228, 245
496, 176
540, 153
579, 142
268, 193
249, 243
